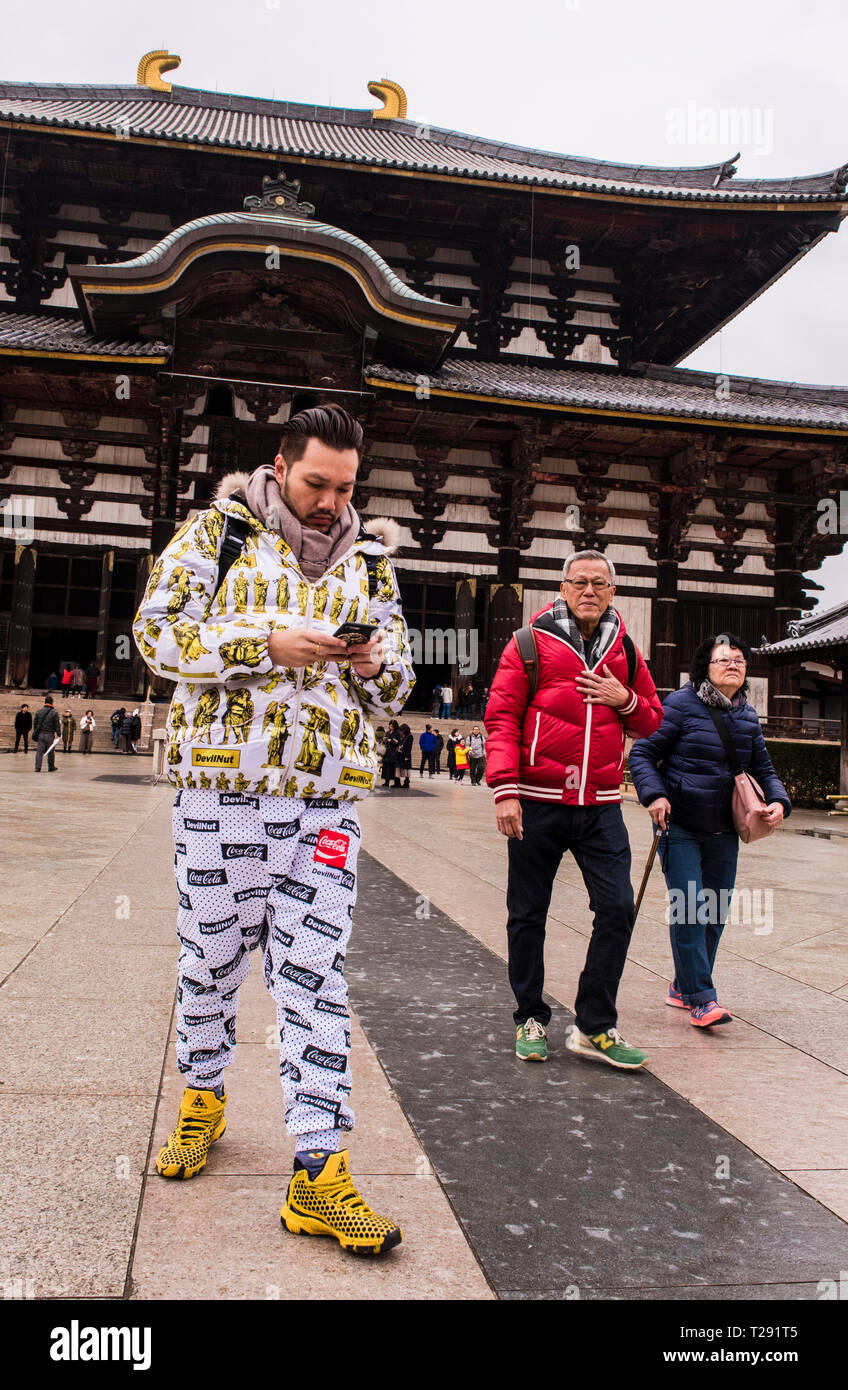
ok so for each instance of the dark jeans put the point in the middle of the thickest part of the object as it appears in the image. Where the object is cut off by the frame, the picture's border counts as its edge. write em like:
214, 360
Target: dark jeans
428, 760
478, 767
25, 738
44, 742
596, 837
693, 862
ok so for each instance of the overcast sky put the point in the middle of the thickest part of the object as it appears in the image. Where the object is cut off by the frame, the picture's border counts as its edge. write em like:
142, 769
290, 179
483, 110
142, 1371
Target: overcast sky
615, 79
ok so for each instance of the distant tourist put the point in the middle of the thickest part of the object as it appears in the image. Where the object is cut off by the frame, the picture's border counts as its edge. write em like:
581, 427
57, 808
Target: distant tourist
460, 759
437, 752
682, 773
447, 701
52, 681
427, 744
23, 724
92, 678
450, 748
87, 727
391, 754
477, 755
78, 681
67, 680
436, 704
131, 731
69, 725
116, 720
46, 732
405, 757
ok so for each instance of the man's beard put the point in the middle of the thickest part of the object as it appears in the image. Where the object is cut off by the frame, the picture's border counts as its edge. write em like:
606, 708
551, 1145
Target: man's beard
304, 521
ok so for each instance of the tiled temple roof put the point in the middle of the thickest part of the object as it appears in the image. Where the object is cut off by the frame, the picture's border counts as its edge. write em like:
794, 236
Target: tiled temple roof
662, 391
355, 137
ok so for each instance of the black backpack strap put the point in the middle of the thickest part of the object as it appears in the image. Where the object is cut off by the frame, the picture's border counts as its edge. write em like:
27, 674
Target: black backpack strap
236, 531
525, 641
724, 735
632, 659
371, 562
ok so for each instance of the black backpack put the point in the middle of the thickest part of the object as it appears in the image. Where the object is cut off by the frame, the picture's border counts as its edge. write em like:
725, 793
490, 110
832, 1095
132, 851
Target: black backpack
238, 528
525, 640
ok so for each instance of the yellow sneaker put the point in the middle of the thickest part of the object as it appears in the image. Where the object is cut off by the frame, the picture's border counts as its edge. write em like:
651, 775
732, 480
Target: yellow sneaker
200, 1123
329, 1205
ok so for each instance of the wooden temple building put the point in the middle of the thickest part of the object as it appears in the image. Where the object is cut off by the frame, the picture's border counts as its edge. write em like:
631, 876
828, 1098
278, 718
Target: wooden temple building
181, 269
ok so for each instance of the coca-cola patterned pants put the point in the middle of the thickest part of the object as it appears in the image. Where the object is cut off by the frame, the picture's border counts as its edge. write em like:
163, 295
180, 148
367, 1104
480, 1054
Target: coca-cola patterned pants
280, 875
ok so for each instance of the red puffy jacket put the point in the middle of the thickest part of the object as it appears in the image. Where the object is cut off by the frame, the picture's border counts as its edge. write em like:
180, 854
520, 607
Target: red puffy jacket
557, 747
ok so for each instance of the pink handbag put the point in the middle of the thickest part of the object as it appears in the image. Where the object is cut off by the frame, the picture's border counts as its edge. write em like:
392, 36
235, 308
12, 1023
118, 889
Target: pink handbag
748, 803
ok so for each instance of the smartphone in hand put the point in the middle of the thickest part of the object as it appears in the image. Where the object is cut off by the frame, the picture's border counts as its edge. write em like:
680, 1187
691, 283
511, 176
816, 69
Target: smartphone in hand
356, 634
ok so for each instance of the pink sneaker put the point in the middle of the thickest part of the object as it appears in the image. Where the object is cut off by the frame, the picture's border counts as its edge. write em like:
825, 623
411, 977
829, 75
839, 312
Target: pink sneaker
675, 998
705, 1015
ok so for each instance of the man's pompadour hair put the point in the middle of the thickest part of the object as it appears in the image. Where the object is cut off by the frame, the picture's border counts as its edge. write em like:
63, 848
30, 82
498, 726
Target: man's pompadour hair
330, 424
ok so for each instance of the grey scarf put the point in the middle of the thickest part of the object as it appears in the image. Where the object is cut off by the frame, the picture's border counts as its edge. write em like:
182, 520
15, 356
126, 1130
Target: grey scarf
707, 692
600, 641
315, 551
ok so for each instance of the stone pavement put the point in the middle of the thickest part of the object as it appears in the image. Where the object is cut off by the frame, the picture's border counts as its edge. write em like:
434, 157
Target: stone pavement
720, 1172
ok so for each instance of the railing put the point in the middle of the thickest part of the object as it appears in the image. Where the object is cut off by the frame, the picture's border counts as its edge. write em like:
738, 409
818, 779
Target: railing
784, 727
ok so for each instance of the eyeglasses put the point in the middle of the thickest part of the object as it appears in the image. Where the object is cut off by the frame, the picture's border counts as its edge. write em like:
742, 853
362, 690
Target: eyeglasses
599, 586
729, 661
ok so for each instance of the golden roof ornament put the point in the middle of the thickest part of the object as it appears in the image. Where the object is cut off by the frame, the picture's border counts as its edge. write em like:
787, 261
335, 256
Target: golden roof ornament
151, 67
394, 99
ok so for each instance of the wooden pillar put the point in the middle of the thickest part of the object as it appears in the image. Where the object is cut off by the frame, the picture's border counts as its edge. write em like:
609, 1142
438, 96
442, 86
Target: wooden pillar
664, 652
20, 621
784, 702
843, 734
467, 637
505, 610
102, 653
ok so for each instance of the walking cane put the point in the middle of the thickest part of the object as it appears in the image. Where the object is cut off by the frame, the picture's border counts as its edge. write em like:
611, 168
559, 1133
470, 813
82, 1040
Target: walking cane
646, 875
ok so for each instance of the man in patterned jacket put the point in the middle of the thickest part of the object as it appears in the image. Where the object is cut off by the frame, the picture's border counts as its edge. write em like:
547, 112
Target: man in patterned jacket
271, 744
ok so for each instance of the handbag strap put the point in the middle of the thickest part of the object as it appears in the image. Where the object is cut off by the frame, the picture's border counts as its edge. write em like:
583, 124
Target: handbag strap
724, 735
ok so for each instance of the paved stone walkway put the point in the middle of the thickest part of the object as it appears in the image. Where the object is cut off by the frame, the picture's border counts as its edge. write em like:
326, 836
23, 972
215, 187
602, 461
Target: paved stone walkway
509, 1180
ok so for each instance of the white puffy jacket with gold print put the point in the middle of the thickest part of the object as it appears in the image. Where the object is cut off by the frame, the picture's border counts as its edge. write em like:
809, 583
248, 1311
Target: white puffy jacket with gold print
237, 723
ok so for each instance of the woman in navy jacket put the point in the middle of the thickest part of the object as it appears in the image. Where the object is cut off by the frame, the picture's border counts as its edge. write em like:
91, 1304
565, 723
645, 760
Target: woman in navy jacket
682, 774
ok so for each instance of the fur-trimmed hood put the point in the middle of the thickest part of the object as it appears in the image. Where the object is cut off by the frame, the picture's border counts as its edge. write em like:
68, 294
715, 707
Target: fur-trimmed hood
384, 528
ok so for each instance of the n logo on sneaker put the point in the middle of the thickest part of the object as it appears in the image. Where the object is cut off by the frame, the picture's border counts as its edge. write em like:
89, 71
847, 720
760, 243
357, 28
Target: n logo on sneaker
603, 1040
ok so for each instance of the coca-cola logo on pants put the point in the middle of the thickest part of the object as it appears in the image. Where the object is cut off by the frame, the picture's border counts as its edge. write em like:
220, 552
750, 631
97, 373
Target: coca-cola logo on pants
332, 848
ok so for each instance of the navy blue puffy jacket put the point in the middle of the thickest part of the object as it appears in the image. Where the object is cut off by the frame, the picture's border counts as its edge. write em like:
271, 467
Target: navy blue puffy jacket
686, 762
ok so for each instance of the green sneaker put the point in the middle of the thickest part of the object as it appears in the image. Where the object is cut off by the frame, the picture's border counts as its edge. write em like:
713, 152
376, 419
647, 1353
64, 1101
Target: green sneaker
531, 1043
608, 1047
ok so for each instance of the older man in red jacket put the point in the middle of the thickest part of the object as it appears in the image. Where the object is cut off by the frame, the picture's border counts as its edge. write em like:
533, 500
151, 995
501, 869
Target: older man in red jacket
555, 757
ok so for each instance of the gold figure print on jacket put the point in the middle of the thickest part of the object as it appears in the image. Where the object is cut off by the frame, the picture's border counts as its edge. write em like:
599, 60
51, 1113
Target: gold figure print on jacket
388, 686
385, 582
322, 597
337, 605
309, 790
155, 576
302, 597
282, 593
222, 782
222, 598
244, 651
174, 754
238, 716
275, 715
261, 787
180, 582
205, 781
260, 593
311, 758
353, 615
204, 715
190, 782
349, 729
188, 640
290, 789
179, 723
241, 783
240, 592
